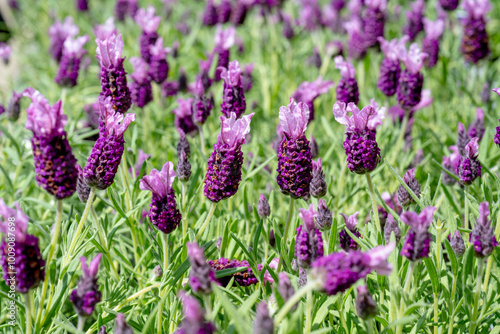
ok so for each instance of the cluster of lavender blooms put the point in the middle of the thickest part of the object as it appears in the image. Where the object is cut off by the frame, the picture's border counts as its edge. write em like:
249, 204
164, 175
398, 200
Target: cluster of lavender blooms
87, 294
309, 242
474, 44
346, 241
347, 88
418, 238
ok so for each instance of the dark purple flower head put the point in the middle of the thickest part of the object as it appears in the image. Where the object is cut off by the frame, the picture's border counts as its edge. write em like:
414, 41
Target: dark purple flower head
223, 11
263, 208
224, 165
140, 87
287, 31
233, 96
183, 167
390, 69
482, 236
210, 17
285, 287
323, 219
58, 33
339, 271
5, 52
476, 128
474, 44
69, 66
309, 15
183, 144
202, 103
239, 11
430, 44
163, 211
414, 18
374, 20
314, 147
263, 322
247, 78
410, 84
404, 197
184, 116
202, 275
366, 307
204, 75
347, 89
243, 278
124, 8
457, 243
194, 320
449, 5
309, 242
17, 215
346, 242
418, 239
158, 66
103, 31
391, 226
318, 187
121, 325
469, 167
307, 92
224, 40
357, 44
82, 189
87, 294
55, 164
102, 330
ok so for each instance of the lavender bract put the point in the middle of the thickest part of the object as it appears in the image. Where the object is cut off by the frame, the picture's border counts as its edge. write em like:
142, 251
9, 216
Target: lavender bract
307, 92
418, 239
317, 187
224, 40
404, 197
183, 144
194, 320
263, 322
202, 275
183, 167
158, 66
323, 219
184, 116
309, 242
450, 163
411, 80
82, 189
414, 18
69, 66
124, 8
482, 236
391, 226
346, 241
374, 20
141, 90
474, 44
469, 167
149, 23
476, 128
233, 96
347, 88
121, 325
263, 208
430, 44
14, 108
390, 69
58, 33
457, 243
87, 294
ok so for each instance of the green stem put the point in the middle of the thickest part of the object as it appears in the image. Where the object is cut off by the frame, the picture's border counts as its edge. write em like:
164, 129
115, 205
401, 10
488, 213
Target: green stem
165, 252
81, 323
402, 133
294, 300
374, 203
208, 306
490, 259
452, 304
104, 243
413, 265
342, 320
436, 312
340, 185
479, 280
466, 205
202, 140
285, 233
28, 312
207, 220
369, 324
184, 218
309, 308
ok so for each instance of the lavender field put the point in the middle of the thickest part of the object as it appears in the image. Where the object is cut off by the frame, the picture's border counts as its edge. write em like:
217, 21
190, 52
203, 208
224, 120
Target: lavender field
249, 166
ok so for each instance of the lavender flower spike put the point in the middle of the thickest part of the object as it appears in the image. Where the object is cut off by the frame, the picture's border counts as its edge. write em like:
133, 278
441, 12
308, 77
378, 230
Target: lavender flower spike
430, 45
418, 238
87, 294
194, 320
318, 186
28, 268
363, 153
113, 75
476, 128
449, 5
457, 243
411, 80
263, 208
69, 66
404, 197
149, 23
366, 307
158, 66
184, 116
357, 44
202, 275
224, 40
391, 226
346, 242
55, 164
390, 69
309, 243
244, 278
323, 219
450, 163
347, 89
374, 20
105, 30
163, 214
474, 45
5, 52
124, 8
224, 165
469, 167
121, 325
294, 153
415, 19
82, 189
140, 87
339, 271
233, 96
107, 152
307, 92
263, 322
482, 236
58, 33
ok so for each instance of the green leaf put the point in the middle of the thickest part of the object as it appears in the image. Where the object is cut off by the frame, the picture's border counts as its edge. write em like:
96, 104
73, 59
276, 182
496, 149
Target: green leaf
452, 257
257, 237
230, 271
412, 194
235, 317
431, 269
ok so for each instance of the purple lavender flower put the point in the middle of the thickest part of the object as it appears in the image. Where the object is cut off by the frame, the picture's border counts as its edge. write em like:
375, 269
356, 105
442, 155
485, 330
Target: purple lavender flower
224, 165
184, 116
418, 239
202, 275
318, 186
239, 11
163, 214
87, 294
314, 59
55, 164
58, 33
469, 167
366, 307
462, 138
414, 18
307, 92
430, 45
314, 148
391, 226
450, 163
357, 44
183, 144
390, 69
82, 5
107, 152
287, 31
247, 78
194, 320
224, 40
113, 75
309, 243
449, 5
476, 128
474, 45
14, 108
457, 243
102, 330
346, 242
243, 278
482, 236
204, 75
105, 30
223, 11
330, 18
404, 197
285, 287
339, 271
158, 66
263, 208
140, 87
233, 96
124, 8
5, 52
202, 103
411, 80
149, 23
82, 189
69, 66
210, 17
183, 167
121, 325
323, 219
347, 89
294, 153
310, 14
263, 322
363, 153
374, 20
28, 268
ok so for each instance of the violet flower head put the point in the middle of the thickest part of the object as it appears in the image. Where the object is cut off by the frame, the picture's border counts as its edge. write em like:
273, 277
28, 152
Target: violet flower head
391, 226
263, 208
307, 92
58, 33
469, 167
163, 212
263, 324
449, 5
414, 18
82, 5
210, 17
374, 20
204, 75
314, 147
339, 271
309, 15
457, 244
146, 19
158, 66
233, 96
223, 11
183, 144
309, 242
55, 164
140, 88
124, 8
363, 153
404, 197
390, 68
121, 326
202, 103
366, 307
184, 116
107, 152
476, 128
474, 44
28, 266
87, 294
411, 80
113, 75
5, 52
450, 163
105, 30
346, 241
183, 167
347, 89
243, 278
294, 153
82, 189
239, 11
285, 287
194, 319
14, 108
318, 186
247, 78
323, 219
430, 44
357, 44
202, 275
224, 40
224, 165
482, 236
418, 239
69, 65
287, 31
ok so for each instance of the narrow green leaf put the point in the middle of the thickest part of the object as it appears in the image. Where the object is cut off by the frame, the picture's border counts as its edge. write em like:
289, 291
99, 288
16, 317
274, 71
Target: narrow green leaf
431, 269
